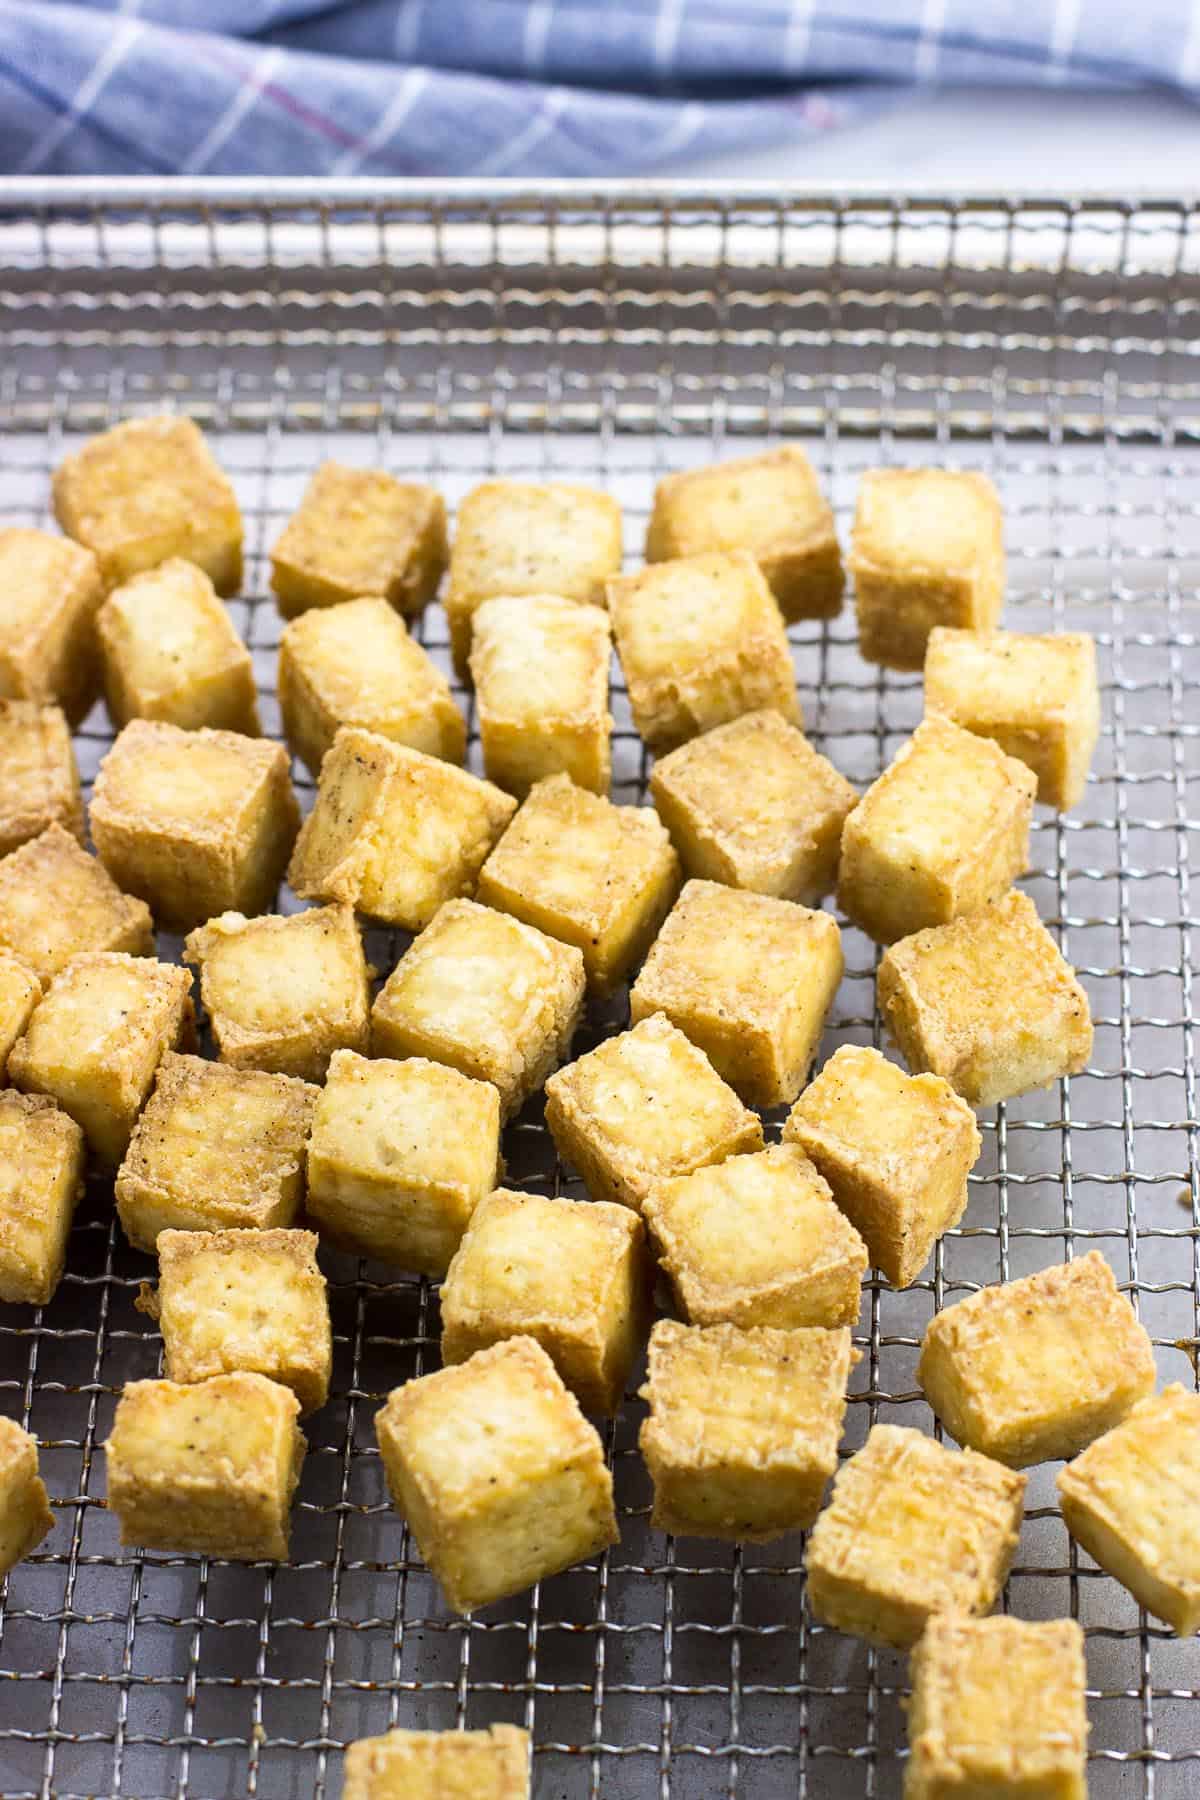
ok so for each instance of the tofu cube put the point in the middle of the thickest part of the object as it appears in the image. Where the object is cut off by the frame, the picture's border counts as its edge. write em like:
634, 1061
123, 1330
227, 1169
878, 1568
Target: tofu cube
928, 550
896, 1150
1032, 1370
50, 593
283, 994
478, 990
95, 1042
1133, 1501
214, 1149
998, 1709
394, 832
701, 640
944, 830
20, 991
39, 780
89, 912
25, 1515
400, 1155
743, 1430
439, 1765
572, 1274
208, 1467
41, 1179
987, 1002
360, 531
749, 979
500, 1476
912, 1529
753, 805
599, 876
540, 667
757, 1240
357, 665
194, 822
168, 650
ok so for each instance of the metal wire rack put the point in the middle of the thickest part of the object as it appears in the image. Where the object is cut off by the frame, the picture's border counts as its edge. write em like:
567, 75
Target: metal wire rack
615, 336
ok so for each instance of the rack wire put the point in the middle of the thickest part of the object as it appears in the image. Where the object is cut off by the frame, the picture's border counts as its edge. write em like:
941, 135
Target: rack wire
453, 335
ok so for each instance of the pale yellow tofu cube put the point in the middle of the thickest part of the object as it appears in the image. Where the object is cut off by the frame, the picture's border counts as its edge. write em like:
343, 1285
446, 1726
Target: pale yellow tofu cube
20, 991
1033, 1370
439, 1765
25, 1515
41, 1179
50, 593
39, 779
207, 1468
987, 1002
393, 832
599, 876
540, 666
912, 1529
928, 550
488, 995
400, 1155
749, 979
360, 531
89, 912
895, 1149
499, 1475
743, 1430
572, 1274
168, 650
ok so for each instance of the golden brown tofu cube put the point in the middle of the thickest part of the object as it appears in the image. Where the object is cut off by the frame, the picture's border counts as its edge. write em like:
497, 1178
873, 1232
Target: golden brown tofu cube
743, 1428
39, 780
283, 994
749, 979
1133, 1501
168, 650
599, 876
701, 641
89, 912
1033, 1370
50, 592
500, 1476
96, 1039
394, 833
928, 550
912, 1529
895, 1149
987, 1002
146, 491
540, 667
401, 1154
360, 531
572, 1274
195, 822
998, 1710
439, 1765
25, 1515
753, 805
41, 1179
944, 830
757, 1240
207, 1467
357, 665
490, 996
20, 991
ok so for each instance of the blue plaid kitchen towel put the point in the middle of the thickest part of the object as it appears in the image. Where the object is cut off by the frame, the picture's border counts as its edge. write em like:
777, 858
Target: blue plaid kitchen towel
521, 87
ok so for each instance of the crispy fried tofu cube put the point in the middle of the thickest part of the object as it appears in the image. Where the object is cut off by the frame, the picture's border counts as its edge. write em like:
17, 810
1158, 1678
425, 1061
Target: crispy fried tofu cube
1133, 1501
360, 531
701, 640
41, 1179
749, 979
394, 832
540, 667
39, 780
357, 665
168, 650
50, 593
500, 1476
987, 1002
25, 1515
283, 994
998, 1709
895, 1149
757, 1240
928, 550
439, 1765
215, 1149
89, 912
1033, 1370
944, 830
20, 991
599, 876
194, 822
206, 1467
401, 1154
753, 805
912, 1529
743, 1428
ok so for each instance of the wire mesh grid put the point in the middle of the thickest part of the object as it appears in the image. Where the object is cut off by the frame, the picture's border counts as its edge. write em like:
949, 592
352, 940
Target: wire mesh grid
612, 338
